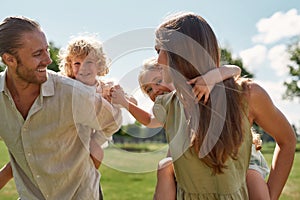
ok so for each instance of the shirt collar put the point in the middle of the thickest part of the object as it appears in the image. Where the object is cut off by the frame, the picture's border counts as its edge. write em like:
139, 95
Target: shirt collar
2, 80
47, 88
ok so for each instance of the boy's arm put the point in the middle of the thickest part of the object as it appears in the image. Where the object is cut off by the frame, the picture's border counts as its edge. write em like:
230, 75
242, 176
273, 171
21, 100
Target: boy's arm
5, 175
205, 83
145, 118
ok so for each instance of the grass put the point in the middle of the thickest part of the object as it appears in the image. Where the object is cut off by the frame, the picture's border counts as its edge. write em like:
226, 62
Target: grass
117, 184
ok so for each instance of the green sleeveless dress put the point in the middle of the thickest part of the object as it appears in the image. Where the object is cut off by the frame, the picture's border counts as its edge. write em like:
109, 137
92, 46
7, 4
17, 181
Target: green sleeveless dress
194, 178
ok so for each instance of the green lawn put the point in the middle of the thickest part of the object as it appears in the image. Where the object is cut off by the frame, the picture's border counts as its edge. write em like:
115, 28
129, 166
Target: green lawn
125, 186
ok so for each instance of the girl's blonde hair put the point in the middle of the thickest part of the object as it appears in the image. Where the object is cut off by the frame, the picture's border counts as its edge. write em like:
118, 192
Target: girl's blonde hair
150, 64
81, 47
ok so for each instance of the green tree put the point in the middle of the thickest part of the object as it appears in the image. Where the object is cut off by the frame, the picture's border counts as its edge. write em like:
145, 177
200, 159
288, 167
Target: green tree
226, 58
2, 67
54, 56
293, 84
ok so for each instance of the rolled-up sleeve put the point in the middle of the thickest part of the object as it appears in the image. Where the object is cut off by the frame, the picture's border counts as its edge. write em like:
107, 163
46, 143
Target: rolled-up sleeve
160, 107
109, 117
91, 110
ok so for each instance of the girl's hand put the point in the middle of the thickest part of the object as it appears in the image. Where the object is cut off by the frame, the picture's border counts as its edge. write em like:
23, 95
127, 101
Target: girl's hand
201, 88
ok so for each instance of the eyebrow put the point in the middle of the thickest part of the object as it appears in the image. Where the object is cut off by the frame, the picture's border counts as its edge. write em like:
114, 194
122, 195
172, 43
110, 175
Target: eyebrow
40, 50
156, 78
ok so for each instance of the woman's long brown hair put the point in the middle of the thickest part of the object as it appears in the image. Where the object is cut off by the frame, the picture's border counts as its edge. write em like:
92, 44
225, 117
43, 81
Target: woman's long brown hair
192, 50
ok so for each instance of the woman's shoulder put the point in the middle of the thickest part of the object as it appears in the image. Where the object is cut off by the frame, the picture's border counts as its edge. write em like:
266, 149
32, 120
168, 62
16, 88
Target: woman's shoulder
258, 99
251, 88
254, 90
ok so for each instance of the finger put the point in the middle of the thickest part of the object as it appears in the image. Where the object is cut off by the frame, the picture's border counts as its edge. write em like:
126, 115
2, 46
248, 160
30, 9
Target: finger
113, 95
196, 90
206, 96
192, 81
199, 96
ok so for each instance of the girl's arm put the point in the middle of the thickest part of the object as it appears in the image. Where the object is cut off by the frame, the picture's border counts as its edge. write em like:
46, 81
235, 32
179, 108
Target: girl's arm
205, 83
269, 117
5, 175
145, 118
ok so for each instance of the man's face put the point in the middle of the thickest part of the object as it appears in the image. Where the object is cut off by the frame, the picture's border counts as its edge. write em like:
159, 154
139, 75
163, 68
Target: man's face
33, 58
85, 69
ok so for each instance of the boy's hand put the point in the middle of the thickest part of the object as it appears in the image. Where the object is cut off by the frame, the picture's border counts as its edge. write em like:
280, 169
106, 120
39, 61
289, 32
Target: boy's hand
117, 96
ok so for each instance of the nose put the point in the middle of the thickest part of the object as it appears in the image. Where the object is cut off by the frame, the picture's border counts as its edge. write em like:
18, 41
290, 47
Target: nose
47, 60
155, 89
83, 69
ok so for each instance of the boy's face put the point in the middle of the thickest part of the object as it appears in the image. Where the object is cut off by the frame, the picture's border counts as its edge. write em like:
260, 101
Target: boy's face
85, 69
154, 85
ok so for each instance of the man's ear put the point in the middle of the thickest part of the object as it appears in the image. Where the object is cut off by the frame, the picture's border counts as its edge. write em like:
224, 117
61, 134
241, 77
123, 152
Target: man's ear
9, 59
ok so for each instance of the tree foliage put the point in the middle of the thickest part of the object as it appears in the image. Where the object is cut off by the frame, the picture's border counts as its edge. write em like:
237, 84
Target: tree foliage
226, 58
2, 67
53, 50
293, 84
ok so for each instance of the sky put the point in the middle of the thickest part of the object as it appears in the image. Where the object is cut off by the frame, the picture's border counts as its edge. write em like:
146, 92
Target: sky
256, 31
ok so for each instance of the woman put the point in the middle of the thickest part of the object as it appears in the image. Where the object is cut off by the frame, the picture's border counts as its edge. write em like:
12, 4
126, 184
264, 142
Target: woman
211, 155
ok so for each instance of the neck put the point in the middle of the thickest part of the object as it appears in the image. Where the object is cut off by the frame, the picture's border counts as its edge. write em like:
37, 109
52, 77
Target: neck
23, 94
20, 88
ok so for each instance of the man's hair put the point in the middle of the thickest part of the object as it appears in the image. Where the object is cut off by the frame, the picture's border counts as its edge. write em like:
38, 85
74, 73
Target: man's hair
11, 31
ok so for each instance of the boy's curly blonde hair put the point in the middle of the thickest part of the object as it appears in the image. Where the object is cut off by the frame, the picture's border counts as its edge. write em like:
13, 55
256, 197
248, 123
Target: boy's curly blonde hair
81, 47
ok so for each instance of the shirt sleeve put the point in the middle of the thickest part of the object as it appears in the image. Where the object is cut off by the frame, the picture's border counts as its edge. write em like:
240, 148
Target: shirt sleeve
109, 117
160, 107
99, 138
92, 110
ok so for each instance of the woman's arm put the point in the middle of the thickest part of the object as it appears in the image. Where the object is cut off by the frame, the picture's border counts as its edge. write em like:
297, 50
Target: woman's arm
205, 83
5, 175
269, 117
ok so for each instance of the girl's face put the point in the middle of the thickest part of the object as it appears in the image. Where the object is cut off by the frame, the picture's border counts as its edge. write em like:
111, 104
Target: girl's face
85, 69
154, 85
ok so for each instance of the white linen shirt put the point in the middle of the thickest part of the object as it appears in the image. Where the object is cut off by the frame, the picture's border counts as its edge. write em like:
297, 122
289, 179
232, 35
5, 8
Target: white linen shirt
49, 150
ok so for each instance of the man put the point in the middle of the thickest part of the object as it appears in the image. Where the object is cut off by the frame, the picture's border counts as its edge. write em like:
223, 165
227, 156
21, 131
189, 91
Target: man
46, 119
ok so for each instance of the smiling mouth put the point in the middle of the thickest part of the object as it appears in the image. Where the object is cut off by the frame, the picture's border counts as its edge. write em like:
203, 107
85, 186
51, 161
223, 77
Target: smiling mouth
85, 74
41, 70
